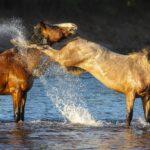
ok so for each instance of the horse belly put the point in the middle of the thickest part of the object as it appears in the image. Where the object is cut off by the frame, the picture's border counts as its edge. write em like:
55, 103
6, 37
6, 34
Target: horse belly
108, 82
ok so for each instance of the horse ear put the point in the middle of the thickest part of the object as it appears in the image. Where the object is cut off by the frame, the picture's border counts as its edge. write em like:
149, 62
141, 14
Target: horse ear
43, 24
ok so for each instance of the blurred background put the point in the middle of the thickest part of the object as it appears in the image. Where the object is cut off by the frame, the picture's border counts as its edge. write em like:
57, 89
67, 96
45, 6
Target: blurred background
121, 25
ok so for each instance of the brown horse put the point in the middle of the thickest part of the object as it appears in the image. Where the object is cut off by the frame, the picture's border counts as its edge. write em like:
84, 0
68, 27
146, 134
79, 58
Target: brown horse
18, 70
17, 73
127, 74
51, 33
16, 79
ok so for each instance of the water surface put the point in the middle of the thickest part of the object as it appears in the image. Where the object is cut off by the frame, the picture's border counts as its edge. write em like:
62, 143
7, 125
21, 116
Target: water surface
46, 127
66, 112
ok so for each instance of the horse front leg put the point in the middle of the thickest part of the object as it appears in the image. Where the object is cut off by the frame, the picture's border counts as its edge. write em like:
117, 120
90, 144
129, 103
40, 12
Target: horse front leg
17, 97
130, 98
146, 107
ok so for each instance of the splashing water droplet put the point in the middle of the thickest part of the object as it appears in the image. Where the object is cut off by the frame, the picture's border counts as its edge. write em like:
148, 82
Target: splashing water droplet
143, 122
13, 29
66, 95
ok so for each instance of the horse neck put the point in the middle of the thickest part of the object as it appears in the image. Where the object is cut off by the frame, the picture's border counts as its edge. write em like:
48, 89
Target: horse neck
52, 34
52, 53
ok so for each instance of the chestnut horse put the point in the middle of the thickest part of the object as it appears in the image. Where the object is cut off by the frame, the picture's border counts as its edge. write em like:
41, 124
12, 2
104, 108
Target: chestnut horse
16, 80
17, 71
127, 74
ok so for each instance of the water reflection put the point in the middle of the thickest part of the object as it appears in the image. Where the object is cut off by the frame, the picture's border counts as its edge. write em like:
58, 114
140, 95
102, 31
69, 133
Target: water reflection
45, 127
59, 135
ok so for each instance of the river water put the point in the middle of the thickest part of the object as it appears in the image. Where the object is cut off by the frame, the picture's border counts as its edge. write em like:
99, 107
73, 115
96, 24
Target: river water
67, 112
49, 126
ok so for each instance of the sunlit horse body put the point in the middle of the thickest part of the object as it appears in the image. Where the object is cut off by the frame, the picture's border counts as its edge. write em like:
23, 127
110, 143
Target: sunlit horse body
17, 72
128, 74
15, 79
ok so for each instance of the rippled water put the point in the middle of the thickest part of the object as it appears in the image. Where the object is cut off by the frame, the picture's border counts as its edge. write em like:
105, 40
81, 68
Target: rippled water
66, 112
46, 128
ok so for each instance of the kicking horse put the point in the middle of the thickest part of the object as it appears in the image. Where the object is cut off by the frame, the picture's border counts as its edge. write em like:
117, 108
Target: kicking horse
127, 74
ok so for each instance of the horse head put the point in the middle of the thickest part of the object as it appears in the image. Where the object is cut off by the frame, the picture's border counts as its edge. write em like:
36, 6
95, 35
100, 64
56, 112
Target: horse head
67, 28
52, 33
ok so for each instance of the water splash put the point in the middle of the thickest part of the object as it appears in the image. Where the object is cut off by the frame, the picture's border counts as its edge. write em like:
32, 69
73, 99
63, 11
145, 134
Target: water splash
143, 122
13, 29
66, 95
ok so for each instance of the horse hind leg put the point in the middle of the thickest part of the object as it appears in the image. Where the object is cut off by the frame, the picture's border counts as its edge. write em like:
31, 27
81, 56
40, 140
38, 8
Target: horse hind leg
23, 101
18, 103
146, 107
130, 98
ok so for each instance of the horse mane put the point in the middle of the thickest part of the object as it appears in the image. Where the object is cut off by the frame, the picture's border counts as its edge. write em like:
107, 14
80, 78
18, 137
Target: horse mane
46, 24
145, 52
53, 26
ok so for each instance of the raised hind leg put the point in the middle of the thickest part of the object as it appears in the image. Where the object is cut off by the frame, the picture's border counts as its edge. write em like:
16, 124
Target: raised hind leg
146, 107
17, 101
130, 98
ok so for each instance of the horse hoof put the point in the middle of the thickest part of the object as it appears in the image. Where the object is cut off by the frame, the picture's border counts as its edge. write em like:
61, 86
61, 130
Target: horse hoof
20, 122
128, 125
16, 117
148, 119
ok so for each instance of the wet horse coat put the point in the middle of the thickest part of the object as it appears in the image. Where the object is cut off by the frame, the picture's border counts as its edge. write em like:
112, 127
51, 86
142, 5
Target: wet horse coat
127, 74
15, 81
18, 70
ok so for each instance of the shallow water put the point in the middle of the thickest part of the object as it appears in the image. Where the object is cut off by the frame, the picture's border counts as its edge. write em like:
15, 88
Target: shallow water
66, 112
46, 128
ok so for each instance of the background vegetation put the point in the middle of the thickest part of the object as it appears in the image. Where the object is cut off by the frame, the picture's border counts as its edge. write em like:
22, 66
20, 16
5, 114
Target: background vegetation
121, 25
